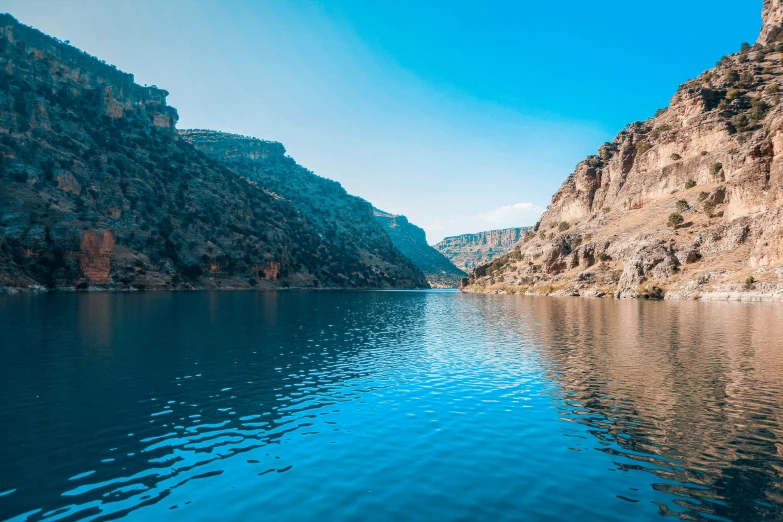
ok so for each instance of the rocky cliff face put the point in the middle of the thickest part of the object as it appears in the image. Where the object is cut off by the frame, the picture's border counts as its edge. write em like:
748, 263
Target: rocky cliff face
688, 204
97, 190
471, 250
412, 242
342, 220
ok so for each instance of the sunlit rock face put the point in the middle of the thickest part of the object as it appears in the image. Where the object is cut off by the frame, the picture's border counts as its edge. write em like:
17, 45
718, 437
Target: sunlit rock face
468, 251
687, 204
772, 20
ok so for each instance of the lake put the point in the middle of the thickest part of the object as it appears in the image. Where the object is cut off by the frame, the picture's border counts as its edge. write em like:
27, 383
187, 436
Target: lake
366, 406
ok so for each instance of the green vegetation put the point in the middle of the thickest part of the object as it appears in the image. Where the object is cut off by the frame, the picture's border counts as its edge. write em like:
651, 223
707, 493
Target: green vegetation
563, 226
675, 157
642, 147
715, 169
656, 133
675, 220
750, 283
702, 196
690, 184
709, 208
683, 205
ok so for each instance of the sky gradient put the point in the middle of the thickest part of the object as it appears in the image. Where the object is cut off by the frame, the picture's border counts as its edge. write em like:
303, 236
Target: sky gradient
463, 116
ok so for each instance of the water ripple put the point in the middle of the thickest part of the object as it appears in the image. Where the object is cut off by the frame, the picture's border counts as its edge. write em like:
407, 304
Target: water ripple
388, 406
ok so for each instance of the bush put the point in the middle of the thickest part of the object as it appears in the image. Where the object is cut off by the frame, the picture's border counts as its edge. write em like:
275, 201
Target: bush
690, 184
702, 196
642, 147
563, 226
682, 205
709, 208
773, 88
660, 130
715, 169
750, 283
745, 47
675, 220
675, 157
758, 109
740, 121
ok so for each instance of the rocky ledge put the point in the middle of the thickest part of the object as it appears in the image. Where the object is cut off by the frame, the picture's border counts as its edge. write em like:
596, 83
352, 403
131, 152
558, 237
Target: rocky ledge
685, 205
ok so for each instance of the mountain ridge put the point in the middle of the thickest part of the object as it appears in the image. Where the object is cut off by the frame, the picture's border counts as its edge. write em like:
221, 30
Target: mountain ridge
98, 190
468, 251
411, 240
685, 205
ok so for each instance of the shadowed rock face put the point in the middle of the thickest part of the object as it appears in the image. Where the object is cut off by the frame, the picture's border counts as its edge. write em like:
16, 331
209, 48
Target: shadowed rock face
97, 189
412, 242
713, 158
471, 250
344, 220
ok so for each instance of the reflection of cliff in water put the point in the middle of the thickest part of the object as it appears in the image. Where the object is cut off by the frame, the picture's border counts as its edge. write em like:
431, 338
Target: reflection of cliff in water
168, 384
679, 390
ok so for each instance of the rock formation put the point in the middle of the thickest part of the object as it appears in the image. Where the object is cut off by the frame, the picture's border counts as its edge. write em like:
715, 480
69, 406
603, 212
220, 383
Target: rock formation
471, 250
412, 242
341, 219
97, 189
688, 204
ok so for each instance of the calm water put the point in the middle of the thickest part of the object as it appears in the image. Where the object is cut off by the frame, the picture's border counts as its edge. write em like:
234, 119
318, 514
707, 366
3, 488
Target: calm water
388, 406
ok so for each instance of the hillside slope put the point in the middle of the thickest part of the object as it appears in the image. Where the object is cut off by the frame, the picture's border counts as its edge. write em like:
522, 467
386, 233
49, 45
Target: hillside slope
471, 250
688, 204
97, 190
412, 242
343, 220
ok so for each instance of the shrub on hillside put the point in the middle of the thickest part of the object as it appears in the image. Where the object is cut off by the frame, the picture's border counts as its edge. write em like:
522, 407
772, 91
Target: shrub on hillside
675, 220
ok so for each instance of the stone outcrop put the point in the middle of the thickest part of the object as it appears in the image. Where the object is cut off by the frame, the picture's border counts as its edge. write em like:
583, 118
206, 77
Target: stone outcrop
98, 190
772, 20
688, 204
471, 250
97, 249
412, 242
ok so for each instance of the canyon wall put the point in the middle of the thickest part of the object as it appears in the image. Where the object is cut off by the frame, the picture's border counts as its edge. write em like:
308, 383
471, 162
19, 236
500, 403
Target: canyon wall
687, 204
99, 191
471, 250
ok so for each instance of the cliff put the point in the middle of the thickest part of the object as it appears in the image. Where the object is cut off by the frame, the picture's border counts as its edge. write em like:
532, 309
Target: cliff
684, 205
471, 250
412, 242
343, 220
97, 190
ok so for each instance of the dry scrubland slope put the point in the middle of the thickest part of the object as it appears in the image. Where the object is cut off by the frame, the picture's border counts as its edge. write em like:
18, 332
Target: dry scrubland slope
688, 204
98, 190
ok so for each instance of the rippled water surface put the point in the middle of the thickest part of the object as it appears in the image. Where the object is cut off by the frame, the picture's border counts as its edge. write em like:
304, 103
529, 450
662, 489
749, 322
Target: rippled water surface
388, 406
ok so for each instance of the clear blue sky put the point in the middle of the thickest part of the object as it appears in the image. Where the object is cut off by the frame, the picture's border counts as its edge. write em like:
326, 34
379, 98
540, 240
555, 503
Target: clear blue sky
462, 115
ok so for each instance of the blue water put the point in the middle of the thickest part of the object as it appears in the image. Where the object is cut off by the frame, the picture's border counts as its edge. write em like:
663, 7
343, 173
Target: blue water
388, 406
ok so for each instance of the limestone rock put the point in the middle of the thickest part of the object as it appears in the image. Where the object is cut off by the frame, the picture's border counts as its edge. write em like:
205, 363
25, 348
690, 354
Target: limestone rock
714, 156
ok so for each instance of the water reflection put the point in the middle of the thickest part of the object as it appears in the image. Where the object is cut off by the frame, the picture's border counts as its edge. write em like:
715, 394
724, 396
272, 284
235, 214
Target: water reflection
388, 406
692, 392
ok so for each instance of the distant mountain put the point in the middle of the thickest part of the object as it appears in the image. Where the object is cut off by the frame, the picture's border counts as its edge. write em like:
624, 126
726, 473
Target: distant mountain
412, 242
685, 205
471, 250
98, 190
